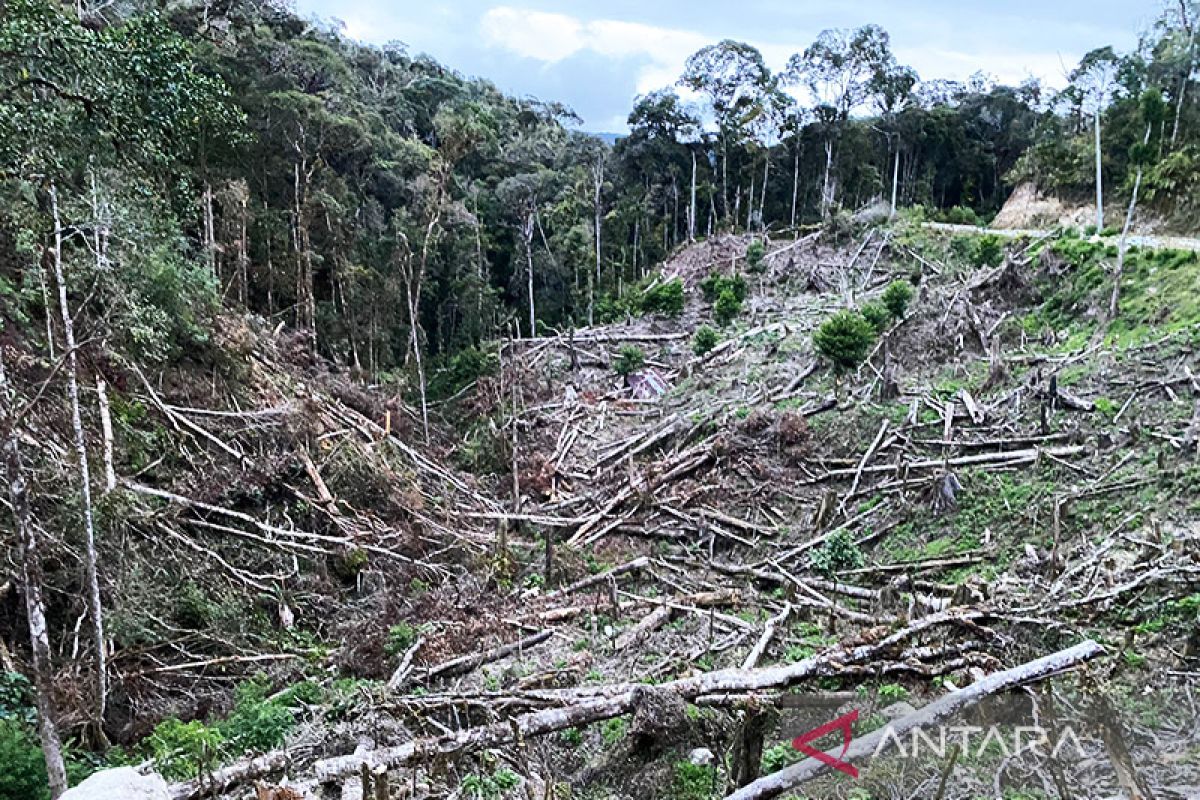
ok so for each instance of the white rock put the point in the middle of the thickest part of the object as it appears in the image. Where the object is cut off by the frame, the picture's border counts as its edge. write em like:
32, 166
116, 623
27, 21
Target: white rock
122, 783
701, 757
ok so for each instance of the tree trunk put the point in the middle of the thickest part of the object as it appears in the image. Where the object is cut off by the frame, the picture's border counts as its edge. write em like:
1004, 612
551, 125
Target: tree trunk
597, 186
210, 230
750, 206
306, 303
110, 473
787, 779
417, 279
795, 185
724, 174
30, 558
1115, 298
527, 236
1099, 180
1187, 74
692, 204
762, 202
825, 194
93, 579
895, 180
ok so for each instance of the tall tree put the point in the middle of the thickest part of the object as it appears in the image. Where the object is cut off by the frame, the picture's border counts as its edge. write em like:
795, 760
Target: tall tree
734, 77
1095, 79
30, 557
840, 70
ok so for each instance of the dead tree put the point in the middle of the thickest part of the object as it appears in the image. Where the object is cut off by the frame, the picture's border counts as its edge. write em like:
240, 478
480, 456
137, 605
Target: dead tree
89, 529
30, 559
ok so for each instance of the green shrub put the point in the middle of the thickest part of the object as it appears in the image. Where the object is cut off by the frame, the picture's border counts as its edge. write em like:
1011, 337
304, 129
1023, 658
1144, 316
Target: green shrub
168, 302
706, 339
490, 787
737, 284
180, 749
754, 256
840, 552
451, 375
712, 286
693, 781
877, 315
400, 638
22, 768
16, 697
845, 339
778, 756
989, 251
256, 723
961, 215
896, 298
666, 298
629, 360
727, 307
613, 730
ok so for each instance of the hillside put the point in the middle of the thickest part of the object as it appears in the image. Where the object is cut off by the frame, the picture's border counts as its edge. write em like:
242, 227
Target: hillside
998, 482
368, 432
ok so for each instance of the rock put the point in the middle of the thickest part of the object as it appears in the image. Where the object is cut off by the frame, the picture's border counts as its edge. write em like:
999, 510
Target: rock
123, 783
702, 757
659, 716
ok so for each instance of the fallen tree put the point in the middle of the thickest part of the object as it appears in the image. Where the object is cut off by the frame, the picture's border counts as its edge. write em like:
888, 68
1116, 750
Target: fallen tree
789, 778
622, 700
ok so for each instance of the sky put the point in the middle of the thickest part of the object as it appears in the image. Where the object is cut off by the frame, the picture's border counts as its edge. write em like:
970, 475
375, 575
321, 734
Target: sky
597, 57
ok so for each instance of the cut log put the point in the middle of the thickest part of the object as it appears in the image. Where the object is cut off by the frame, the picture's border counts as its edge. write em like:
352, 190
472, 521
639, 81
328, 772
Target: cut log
788, 779
636, 564
465, 664
1004, 458
621, 701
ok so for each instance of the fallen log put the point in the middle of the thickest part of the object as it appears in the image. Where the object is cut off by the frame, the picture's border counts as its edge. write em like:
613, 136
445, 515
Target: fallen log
721, 682
1003, 458
630, 566
788, 779
465, 664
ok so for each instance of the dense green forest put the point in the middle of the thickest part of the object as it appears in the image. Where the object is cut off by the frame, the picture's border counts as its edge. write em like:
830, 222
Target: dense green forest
394, 209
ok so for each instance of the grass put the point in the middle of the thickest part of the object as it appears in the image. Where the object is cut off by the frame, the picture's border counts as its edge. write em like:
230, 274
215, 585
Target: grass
1007, 504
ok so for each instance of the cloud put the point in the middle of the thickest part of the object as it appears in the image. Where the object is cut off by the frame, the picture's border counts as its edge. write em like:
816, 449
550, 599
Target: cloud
534, 34
550, 38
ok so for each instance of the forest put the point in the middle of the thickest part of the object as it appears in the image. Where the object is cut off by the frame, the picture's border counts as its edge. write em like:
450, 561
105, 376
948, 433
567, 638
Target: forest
367, 428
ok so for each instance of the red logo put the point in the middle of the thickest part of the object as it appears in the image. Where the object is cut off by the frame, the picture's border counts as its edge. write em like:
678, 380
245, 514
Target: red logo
844, 724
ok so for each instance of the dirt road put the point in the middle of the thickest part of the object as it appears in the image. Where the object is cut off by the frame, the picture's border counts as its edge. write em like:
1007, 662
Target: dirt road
1140, 240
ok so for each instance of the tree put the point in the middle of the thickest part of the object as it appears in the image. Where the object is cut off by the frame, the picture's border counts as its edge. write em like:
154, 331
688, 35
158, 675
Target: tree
892, 88
734, 77
1153, 113
30, 559
1095, 81
78, 100
845, 339
839, 69
895, 298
